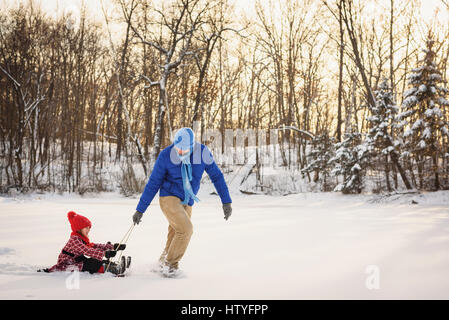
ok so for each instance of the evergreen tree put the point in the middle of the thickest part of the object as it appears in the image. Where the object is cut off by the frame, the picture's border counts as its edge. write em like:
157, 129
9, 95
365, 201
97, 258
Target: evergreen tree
422, 119
380, 141
350, 161
322, 150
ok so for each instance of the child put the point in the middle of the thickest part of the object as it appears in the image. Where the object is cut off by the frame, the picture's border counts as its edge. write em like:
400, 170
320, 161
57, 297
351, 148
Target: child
74, 253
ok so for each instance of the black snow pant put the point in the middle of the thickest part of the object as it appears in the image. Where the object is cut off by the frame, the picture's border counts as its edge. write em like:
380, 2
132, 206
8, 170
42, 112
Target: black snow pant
92, 265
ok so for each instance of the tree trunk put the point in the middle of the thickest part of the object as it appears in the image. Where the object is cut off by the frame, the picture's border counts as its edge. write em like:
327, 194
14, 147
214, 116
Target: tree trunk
158, 132
395, 160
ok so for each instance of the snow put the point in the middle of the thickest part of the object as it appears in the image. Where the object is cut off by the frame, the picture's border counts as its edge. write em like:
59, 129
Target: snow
388, 150
409, 91
443, 90
422, 144
434, 112
410, 101
384, 125
435, 77
418, 123
445, 130
418, 69
422, 88
302, 246
408, 132
426, 133
442, 101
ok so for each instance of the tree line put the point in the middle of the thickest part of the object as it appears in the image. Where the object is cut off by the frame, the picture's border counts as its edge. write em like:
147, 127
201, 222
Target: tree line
76, 98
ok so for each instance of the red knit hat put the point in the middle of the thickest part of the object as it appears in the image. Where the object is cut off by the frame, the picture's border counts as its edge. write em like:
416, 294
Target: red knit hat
77, 221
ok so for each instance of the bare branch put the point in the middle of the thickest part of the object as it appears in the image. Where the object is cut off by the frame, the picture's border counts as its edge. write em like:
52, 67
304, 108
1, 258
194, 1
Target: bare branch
151, 82
10, 77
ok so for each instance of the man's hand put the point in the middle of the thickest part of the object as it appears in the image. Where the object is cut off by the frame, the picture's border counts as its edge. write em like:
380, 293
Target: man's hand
137, 217
227, 210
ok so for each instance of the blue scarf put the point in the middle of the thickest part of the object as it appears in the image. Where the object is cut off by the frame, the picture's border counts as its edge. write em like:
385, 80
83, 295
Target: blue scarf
186, 173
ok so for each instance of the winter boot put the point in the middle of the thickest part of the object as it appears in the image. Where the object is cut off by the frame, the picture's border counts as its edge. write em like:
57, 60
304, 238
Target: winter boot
115, 268
123, 263
168, 270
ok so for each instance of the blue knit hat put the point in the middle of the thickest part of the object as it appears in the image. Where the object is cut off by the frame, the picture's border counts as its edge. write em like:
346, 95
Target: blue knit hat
184, 139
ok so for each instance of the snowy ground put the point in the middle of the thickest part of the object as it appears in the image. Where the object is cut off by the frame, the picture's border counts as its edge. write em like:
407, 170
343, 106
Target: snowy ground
304, 246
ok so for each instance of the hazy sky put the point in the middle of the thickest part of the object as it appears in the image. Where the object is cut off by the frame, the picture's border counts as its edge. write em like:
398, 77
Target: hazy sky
54, 7
430, 9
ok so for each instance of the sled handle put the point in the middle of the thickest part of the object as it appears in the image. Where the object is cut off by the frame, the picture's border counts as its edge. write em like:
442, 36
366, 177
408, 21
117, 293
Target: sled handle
124, 241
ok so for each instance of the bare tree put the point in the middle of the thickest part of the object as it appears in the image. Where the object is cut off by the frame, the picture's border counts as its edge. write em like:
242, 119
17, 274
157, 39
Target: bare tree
181, 24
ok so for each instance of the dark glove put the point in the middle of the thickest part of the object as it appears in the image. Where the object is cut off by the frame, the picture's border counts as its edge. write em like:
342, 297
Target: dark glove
227, 210
118, 246
110, 253
137, 217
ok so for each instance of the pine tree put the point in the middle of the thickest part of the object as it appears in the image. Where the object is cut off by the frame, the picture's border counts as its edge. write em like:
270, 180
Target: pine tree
322, 150
422, 116
380, 141
350, 161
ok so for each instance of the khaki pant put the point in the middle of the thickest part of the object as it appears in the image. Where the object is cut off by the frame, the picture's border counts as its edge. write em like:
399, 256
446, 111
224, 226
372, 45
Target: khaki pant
180, 229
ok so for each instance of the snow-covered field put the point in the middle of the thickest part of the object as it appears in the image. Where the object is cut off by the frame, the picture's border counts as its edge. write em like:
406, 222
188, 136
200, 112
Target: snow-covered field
303, 246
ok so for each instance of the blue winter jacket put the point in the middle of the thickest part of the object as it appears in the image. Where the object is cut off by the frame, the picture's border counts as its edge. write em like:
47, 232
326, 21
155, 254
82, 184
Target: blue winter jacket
166, 176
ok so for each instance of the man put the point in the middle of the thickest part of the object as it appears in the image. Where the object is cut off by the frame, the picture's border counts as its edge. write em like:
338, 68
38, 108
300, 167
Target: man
177, 175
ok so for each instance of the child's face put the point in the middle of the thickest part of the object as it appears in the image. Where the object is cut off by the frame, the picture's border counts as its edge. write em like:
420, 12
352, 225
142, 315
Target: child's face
85, 231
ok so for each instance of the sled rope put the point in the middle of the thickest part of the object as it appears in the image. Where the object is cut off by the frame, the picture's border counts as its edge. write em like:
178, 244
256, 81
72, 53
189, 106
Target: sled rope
123, 241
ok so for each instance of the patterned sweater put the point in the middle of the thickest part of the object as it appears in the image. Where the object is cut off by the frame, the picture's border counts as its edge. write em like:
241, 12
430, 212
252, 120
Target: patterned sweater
76, 248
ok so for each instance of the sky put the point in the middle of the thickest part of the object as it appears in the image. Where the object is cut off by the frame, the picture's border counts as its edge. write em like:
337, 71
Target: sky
431, 10
55, 7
